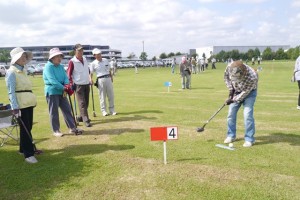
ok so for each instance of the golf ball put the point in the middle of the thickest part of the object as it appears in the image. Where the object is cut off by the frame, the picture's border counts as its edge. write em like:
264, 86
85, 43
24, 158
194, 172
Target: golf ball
230, 145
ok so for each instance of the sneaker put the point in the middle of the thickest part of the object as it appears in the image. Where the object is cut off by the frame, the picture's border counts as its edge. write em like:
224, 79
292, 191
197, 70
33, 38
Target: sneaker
87, 124
298, 107
76, 131
31, 160
114, 113
228, 140
58, 134
248, 144
105, 114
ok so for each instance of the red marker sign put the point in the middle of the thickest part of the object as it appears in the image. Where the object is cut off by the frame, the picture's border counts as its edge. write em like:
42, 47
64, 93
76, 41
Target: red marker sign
164, 133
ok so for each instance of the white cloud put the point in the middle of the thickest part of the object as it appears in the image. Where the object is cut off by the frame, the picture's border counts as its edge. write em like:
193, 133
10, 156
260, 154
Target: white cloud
164, 26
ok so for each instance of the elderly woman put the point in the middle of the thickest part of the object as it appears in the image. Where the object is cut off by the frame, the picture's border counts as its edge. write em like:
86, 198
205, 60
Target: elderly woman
56, 89
22, 100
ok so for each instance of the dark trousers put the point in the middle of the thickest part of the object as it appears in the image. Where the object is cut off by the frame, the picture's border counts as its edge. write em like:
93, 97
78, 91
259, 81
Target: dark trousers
299, 93
26, 145
83, 94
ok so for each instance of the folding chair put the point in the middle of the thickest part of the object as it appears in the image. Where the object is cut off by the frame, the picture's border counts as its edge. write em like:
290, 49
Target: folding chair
8, 126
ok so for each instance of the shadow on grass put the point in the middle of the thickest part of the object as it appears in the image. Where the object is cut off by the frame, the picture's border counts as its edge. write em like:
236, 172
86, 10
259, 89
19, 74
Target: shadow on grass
140, 112
109, 119
292, 139
113, 131
56, 169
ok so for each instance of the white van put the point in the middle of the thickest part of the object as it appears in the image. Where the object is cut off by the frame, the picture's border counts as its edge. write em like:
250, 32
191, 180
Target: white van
2, 70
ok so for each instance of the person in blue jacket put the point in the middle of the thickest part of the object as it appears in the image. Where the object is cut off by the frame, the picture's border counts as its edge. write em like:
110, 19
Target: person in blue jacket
56, 90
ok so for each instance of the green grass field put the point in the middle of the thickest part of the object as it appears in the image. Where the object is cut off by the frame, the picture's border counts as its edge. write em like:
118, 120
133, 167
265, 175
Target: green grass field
115, 158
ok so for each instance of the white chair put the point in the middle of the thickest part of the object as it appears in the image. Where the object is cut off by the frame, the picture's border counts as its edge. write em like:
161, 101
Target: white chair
8, 126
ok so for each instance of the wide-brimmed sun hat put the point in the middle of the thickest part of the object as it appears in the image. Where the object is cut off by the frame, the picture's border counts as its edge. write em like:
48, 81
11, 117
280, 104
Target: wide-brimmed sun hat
16, 54
54, 52
96, 51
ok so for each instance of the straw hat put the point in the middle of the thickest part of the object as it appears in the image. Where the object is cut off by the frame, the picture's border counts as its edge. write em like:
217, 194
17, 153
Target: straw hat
16, 54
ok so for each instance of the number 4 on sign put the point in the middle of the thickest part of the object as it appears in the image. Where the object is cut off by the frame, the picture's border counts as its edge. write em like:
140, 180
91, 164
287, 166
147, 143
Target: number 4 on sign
172, 133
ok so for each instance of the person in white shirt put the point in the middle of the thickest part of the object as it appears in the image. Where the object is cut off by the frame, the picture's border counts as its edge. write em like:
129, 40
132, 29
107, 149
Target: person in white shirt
113, 66
104, 82
296, 77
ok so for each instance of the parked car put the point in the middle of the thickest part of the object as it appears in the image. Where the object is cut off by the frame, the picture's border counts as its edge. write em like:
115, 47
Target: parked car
2, 70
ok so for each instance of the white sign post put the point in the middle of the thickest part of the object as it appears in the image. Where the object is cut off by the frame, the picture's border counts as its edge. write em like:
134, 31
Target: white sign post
164, 133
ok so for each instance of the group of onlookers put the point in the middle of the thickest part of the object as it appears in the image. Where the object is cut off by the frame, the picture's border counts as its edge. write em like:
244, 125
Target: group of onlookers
59, 86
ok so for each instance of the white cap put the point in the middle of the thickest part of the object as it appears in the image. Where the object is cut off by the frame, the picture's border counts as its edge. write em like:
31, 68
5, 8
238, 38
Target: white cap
96, 51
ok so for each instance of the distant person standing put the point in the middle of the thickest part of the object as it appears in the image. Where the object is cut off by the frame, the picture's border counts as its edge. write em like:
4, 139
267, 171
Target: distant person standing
173, 65
113, 66
193, 63
79, 76
185, 72
213, 65
104, 82
22, 100
56, 88
297, 78
253, 61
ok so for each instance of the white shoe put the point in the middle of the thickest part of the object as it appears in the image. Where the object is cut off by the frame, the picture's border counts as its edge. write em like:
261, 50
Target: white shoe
105, 114
248, 144
31, 160
114, 113
58, 134
228, 140
298, 107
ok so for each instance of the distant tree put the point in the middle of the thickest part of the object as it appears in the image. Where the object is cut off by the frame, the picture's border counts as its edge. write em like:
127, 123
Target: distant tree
131, 55
280, 54
234, 54
268, 54
256, 52
178, 54
154, 58
72, 53
163, 56
143, 56
4, 56
171, 54
296, 53
250, 54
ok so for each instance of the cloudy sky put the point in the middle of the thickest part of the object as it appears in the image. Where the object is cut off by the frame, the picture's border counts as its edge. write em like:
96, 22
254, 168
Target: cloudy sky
164, 25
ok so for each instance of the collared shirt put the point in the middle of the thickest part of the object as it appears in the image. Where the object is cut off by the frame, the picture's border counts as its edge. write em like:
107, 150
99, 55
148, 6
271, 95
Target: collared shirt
101, 68
297, 69
242, 86
10, 79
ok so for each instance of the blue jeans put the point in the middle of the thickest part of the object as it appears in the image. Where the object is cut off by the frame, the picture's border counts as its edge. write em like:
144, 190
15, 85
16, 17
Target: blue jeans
249, 123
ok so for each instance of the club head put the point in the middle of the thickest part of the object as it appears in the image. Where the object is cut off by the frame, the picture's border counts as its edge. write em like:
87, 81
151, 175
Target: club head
200, 129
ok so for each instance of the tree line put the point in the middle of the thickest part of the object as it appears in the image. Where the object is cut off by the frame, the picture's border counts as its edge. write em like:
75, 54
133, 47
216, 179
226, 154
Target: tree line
267, 54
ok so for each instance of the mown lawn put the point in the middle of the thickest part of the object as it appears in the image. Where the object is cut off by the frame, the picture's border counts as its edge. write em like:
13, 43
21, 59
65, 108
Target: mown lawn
115, 158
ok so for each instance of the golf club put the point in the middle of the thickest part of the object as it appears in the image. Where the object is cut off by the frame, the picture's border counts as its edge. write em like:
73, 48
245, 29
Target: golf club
36, 151
71, 104
75, 107
201, 129
92, 91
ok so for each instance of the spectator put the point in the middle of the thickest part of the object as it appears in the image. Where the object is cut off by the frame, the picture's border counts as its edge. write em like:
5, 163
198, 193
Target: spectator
296, 77
22, 100
79, 77
104, 82
56, 88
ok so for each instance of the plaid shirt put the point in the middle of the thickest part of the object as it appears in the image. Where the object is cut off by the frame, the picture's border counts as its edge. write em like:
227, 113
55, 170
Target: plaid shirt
243, 86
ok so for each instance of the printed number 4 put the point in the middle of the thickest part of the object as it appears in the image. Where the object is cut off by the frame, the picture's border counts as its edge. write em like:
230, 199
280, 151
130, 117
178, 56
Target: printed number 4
172, 133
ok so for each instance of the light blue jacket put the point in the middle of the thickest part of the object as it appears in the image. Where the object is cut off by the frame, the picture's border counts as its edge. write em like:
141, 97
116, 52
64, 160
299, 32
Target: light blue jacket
55, 77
